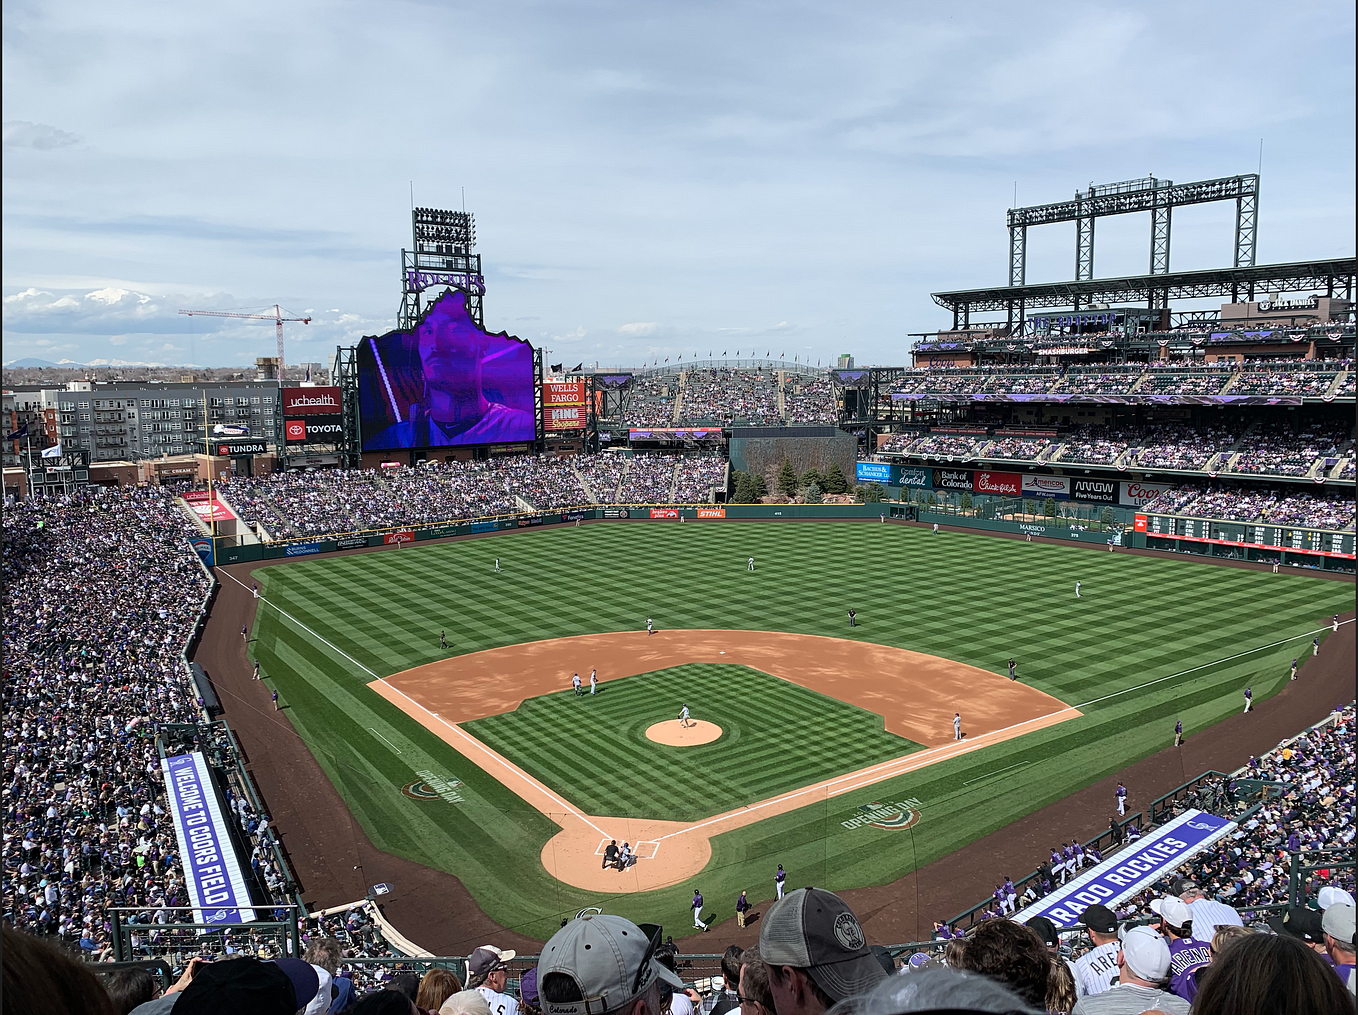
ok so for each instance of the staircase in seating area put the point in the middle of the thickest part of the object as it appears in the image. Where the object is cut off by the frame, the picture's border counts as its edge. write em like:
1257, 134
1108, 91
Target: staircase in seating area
1334, 384
580, 478
1051, 452
1235, 379
674, 480
622, 478
1139, 381
679, 386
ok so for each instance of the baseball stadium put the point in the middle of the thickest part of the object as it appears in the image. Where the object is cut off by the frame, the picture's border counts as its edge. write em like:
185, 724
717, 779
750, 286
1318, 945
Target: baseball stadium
1052, 618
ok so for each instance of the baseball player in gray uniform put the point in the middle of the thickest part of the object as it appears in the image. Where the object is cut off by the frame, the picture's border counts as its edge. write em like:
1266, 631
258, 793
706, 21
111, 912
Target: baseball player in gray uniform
957, 726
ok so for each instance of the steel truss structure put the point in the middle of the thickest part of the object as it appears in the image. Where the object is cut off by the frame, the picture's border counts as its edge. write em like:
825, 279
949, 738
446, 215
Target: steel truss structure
1330, 277
344, 370
441, 258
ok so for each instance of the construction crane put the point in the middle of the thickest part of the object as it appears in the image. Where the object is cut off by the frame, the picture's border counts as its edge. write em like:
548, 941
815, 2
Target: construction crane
277, 317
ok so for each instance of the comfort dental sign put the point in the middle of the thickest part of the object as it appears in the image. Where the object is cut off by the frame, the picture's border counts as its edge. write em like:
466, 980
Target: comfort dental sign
216, 887
1130, 870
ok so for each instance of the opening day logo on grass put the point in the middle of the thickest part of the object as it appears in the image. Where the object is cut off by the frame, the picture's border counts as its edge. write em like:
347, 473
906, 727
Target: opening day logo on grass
430, 787
891, 816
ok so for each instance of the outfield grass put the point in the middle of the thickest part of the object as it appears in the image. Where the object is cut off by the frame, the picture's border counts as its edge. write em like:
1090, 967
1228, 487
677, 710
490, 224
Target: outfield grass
776, 737
973, 598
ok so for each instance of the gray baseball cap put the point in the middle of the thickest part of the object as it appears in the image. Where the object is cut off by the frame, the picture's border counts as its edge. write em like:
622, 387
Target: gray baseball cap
815, 930
610, 959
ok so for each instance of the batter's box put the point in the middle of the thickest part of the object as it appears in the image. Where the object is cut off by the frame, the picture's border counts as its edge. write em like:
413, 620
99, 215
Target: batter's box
603, 844
647, 850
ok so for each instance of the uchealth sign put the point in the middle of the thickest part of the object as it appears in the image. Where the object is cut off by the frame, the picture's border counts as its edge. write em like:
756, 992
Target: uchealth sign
1046, 486
1130, 870
1105, 490
952, 479
1137, 494
1008, 484
311, 401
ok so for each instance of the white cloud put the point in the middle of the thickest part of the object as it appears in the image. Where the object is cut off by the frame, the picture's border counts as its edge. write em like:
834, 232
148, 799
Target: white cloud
639, 328
42, 136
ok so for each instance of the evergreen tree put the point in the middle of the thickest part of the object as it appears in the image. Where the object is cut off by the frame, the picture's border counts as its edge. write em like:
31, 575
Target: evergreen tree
835, 481
813, 478
966, 500
814, 495
758, 488
1049, 508
787, 479
742, 493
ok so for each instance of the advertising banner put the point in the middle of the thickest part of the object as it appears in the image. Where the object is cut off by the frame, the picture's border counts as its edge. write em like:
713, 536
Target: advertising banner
397, 538
565, 417
237, 448
563, 393
523, 523
211, 869
659, 433
1136, 494
914, 475
351, 542
202, 546
311, 401
1008, 484
484, 526
575, 516
615, 512
1139, 523
952, 479
215, 511
664, 512
1046, 486
301, 549
313, 430
1105, 490
711, 512
874, 472
1130, 870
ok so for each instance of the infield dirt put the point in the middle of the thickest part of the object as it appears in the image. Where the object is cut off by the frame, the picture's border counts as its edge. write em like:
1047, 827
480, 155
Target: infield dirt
916, 694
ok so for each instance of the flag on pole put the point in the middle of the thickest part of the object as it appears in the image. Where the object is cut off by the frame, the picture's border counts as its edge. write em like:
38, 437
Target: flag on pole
53, 452
18, 434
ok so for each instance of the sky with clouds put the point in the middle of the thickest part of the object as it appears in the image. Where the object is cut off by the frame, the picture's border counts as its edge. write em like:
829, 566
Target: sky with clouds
649, 179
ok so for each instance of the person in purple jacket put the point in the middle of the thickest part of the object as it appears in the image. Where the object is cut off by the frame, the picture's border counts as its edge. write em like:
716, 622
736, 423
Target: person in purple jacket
1186, 955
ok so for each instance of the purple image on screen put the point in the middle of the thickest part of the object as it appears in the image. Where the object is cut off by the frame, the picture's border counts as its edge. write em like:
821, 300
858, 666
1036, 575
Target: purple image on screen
445, 382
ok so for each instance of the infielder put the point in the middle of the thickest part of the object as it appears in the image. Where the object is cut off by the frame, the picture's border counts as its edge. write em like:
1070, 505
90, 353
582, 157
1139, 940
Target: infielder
778, 880
1013, 669
593, 679
683, 717
698, 911
957, 725
650, 626
1249, 700
575, 683
1121, 794
749, 566
443, 639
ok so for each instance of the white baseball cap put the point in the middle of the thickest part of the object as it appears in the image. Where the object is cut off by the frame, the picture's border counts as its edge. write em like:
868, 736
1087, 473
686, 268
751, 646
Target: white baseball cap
1331, 896
1146, 954
1173, 911
1338, 923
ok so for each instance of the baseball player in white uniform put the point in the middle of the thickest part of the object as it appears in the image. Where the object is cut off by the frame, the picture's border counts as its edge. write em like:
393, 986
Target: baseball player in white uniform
593, 679
1077, 591
650, 626
575, 682
497, 565
683, 717
749, 566
957, 725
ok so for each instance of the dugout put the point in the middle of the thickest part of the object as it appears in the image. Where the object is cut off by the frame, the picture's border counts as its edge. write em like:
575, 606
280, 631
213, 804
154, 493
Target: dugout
762, 449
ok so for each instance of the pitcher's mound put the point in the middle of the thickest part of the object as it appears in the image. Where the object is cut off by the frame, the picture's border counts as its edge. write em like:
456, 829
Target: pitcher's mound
671, 734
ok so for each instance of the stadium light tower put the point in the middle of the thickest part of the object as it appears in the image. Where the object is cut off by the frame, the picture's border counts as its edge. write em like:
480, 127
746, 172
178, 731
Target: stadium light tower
441, 257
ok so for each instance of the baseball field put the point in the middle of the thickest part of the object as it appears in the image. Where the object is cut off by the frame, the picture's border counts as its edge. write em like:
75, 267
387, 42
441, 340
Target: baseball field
826, 747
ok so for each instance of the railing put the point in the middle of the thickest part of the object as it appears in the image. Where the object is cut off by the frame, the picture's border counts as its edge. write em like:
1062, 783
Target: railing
176, 943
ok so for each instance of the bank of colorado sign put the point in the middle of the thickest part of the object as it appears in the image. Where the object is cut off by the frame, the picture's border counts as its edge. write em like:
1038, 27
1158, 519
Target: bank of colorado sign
952, 479
300, 430
311, 401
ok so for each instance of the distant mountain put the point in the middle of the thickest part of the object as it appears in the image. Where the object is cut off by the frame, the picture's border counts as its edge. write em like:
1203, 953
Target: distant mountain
29, 361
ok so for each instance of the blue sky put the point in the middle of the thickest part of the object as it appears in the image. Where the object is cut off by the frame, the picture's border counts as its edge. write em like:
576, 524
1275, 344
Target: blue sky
648, 179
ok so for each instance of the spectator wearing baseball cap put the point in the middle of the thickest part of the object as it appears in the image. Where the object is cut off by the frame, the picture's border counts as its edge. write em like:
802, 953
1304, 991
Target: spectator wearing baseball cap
1186, 955
1337, 926
599, 964
1208, 914
1097, 969
1047, 933
1143, 969
488, 972
1329, 895
816, 952
1305, 925
281, 987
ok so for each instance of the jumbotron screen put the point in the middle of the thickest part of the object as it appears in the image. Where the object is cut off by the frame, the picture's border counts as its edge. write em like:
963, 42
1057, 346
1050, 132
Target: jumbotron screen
447, 382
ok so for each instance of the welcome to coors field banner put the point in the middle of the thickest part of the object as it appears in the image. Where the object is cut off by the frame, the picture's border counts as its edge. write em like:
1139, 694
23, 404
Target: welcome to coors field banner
211, 869
1131, 869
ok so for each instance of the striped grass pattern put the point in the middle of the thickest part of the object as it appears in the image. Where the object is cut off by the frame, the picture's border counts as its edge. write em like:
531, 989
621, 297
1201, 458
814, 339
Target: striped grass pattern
973, 598
776, 737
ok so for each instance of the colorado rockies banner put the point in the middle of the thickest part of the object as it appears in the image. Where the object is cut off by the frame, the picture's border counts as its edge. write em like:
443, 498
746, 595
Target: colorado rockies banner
212, 871
1130, 870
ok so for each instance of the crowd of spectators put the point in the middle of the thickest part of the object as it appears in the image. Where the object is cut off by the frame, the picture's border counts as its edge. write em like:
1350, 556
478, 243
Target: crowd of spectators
1102, 379
1023, 449
1315, 509
1201, 379
725, 396
809, 401
1308, 378
1094, 447
100, 595
1279, 451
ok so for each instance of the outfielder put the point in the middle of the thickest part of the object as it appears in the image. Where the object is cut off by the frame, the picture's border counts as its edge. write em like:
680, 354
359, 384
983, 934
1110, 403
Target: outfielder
935, 528
683, 717
749, 566
957, 725
497, 565
1077, 591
